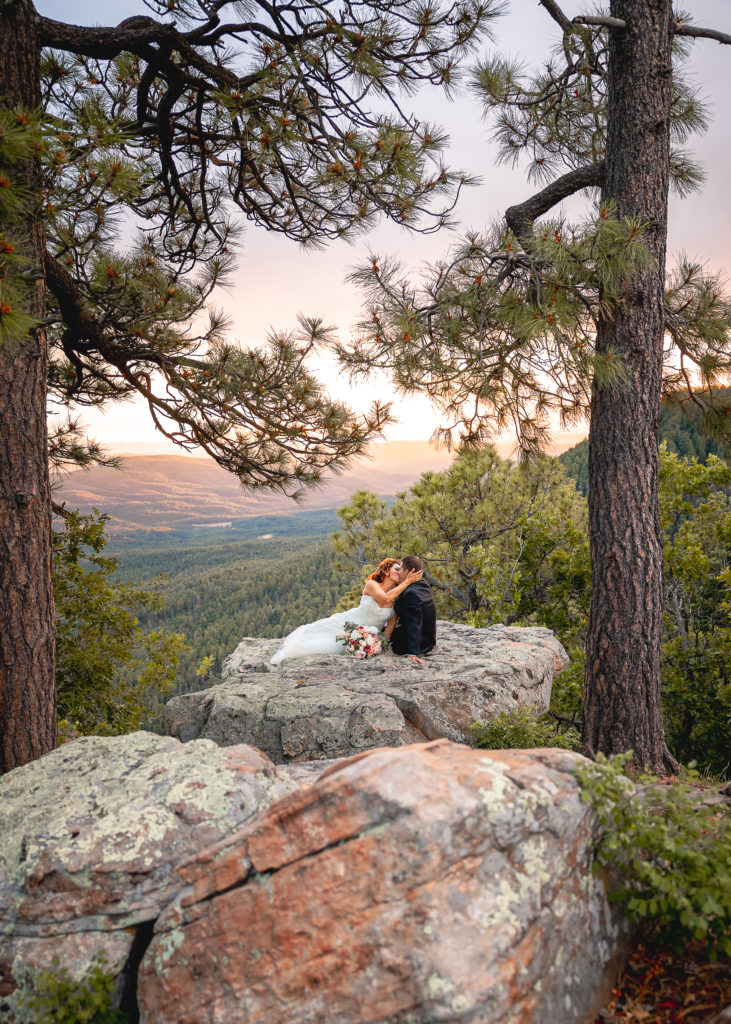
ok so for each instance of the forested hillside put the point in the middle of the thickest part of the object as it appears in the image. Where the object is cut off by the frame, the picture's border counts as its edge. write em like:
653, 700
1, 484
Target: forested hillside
681, 429
219, 593
144, 549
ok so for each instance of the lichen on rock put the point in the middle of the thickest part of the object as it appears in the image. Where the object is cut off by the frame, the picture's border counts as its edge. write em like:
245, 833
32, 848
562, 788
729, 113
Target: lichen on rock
425, 883
91, 834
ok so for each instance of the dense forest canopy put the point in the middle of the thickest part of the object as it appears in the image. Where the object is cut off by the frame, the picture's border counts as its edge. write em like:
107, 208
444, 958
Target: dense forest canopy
681, 428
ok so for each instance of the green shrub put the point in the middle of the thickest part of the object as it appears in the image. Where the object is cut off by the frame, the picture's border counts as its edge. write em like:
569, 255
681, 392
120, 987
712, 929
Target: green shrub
507, 543
673, 854
53, 996
520, 730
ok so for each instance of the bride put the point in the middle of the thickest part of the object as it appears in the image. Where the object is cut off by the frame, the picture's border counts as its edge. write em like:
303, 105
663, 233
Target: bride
381, 589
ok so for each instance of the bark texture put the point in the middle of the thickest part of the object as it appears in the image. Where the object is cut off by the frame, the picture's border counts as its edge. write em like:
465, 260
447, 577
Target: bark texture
27, 670
622, 686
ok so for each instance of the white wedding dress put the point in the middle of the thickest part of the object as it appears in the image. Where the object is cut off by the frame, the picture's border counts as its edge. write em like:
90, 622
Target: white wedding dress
319, 637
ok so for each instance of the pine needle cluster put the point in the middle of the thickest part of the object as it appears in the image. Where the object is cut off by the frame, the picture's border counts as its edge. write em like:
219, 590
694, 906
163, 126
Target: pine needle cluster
503, 331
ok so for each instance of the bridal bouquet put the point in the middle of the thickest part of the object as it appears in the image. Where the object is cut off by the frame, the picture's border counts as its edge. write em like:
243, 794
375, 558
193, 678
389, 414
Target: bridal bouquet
362, 641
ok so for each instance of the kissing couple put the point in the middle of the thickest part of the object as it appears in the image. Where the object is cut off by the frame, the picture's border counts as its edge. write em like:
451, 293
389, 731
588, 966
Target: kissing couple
395, 601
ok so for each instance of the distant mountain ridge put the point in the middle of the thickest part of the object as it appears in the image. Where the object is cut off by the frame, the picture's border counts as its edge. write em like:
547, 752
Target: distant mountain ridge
164, 492
179, 492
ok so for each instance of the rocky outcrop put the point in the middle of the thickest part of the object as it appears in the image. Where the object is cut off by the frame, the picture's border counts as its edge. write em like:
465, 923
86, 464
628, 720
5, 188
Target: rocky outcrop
91, 836
427, 883
331, 706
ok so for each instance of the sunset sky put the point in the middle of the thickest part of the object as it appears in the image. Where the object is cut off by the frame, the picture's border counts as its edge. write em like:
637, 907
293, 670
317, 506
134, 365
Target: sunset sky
276, 279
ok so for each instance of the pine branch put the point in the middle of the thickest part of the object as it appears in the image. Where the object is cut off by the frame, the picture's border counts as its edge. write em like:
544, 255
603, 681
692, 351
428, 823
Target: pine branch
60, 510
136, 35
557, 14
600, 19
106, 43
568, 24
520, 218
264, 420
303, 157
681, 29
80, 324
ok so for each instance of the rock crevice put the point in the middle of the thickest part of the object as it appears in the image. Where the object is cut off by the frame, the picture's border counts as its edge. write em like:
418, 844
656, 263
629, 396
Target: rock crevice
127, 982
91, 836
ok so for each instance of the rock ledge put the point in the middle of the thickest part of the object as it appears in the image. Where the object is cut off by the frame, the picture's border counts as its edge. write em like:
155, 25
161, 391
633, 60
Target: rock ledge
330, 706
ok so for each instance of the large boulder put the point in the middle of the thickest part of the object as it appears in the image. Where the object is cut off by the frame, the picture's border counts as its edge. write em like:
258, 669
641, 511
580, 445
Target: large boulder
91, 836
421, 884
425, 883
331, 706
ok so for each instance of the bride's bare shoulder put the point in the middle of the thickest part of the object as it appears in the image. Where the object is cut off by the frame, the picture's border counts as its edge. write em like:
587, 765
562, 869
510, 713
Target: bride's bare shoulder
376, 591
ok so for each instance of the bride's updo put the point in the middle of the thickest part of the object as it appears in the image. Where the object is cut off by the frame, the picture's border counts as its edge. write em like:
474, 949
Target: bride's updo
383, 570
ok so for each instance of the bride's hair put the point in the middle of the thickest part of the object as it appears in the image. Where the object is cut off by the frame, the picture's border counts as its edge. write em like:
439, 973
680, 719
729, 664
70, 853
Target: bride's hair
383, 570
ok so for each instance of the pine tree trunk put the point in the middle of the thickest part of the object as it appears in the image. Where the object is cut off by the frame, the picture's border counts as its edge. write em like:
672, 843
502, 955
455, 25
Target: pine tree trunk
622, 684
27, 684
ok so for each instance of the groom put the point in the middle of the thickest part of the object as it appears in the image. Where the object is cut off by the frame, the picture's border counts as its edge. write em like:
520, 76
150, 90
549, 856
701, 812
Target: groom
416, 631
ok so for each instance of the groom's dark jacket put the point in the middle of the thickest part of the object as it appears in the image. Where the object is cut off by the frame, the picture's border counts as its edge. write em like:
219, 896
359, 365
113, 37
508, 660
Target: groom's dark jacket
416, 630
